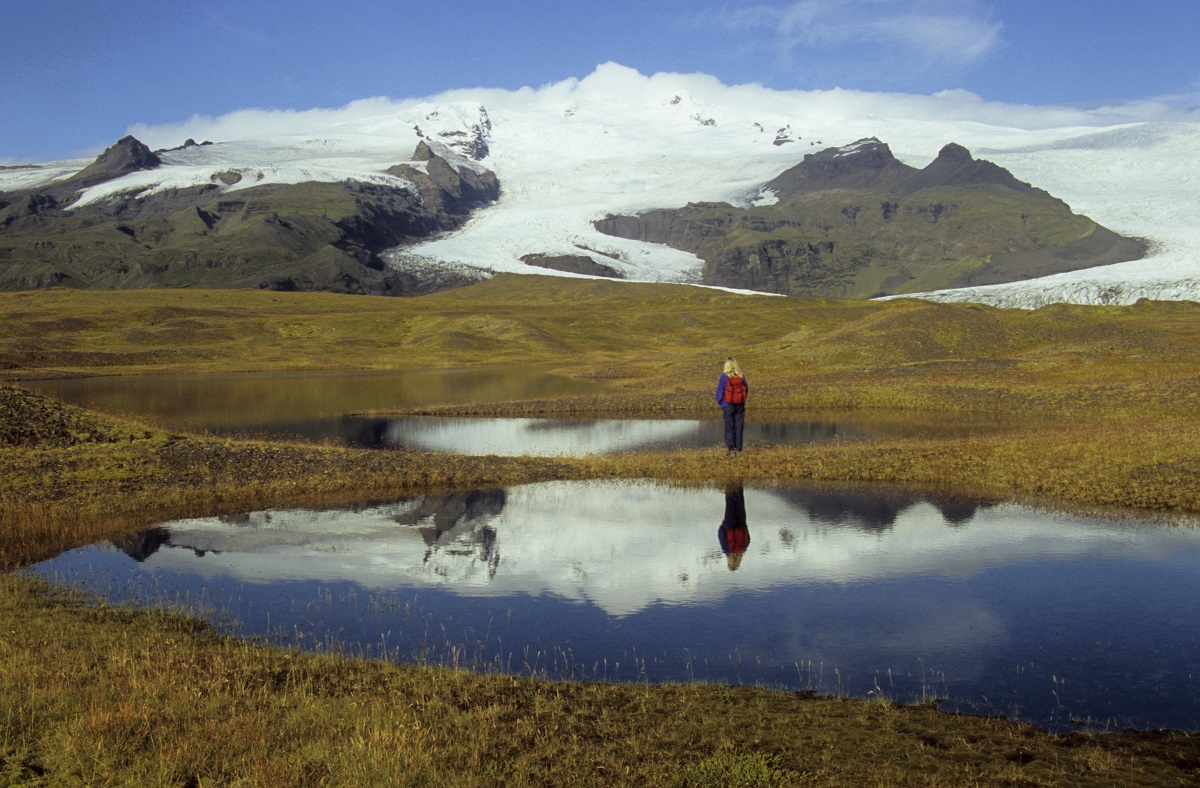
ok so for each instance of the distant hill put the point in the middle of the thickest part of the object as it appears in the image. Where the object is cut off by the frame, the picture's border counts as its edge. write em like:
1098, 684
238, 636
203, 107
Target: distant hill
854, 222
310, 235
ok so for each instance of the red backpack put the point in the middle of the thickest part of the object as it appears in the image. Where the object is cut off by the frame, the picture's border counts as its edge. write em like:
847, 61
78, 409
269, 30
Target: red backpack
735, 390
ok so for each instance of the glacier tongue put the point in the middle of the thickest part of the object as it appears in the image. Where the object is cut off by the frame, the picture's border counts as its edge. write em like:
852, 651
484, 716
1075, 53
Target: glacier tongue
1123, 283
1136, 179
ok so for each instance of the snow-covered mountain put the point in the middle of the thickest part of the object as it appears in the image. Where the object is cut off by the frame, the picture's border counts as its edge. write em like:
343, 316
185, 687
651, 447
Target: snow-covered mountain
619, 142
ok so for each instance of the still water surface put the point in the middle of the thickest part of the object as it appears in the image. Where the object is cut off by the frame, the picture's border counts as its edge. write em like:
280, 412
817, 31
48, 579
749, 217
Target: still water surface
1054, 619
270, 402
317, 406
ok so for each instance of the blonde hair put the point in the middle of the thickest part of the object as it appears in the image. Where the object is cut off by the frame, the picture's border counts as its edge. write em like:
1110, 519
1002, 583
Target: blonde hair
731, 365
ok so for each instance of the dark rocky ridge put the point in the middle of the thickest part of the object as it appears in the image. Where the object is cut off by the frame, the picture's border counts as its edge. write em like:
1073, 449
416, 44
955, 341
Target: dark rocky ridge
954, 166
855, 222
307, 236
573, 264
128, 155
448, 190
870, 165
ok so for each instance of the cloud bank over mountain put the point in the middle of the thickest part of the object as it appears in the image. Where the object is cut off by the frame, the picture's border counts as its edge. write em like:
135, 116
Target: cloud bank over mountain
628, 89
617, 141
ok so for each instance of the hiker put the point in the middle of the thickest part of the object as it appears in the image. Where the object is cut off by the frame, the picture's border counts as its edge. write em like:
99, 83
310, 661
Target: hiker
734, 534
732, 391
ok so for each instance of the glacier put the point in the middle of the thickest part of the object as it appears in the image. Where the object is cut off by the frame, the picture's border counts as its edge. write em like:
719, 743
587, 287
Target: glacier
618, 141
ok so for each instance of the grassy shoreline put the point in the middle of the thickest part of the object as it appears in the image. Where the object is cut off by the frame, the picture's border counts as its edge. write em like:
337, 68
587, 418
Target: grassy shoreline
106, 695
55, 498
1109, 406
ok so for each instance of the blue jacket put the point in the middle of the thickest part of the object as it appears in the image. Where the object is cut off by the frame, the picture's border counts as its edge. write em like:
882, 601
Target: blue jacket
721, 381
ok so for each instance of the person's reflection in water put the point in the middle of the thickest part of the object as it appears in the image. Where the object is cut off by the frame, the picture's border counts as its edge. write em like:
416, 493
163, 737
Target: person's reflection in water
734, 535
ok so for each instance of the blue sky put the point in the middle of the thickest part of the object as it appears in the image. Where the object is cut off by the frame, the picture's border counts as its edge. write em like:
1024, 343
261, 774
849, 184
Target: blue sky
76, 74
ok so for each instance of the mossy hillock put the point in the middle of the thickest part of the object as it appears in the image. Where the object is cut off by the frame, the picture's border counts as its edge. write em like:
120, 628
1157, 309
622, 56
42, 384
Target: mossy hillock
29, 420
855, 222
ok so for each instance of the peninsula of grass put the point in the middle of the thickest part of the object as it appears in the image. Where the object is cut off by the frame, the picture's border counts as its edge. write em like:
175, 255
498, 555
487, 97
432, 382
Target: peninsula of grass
1082, 407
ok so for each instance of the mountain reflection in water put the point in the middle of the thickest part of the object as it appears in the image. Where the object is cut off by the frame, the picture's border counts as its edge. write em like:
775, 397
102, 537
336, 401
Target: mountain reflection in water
600, 528
995, 607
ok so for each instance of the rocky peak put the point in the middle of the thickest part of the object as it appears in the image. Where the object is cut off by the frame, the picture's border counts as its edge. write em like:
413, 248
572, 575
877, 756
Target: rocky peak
128, 155
953, 152
189, 143
865, 164
784, 136
423, 152
465, 131
449, 183
954, 166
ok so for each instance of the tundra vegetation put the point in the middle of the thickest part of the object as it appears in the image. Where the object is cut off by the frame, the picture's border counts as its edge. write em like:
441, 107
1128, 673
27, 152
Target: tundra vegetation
1090, 408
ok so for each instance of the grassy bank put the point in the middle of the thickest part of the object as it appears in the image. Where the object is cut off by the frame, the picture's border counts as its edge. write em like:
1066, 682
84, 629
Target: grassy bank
1098, 407
74, 477
96, 695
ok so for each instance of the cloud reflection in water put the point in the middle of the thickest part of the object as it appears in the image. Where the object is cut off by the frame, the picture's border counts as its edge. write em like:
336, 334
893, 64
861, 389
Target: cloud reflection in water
991, 602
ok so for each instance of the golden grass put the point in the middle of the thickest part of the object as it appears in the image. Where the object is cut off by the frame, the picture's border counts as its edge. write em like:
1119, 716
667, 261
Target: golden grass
1092, 407
101, 695
602, 328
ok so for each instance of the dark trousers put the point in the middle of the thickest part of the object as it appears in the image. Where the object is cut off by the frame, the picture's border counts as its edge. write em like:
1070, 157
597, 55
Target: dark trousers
735, 419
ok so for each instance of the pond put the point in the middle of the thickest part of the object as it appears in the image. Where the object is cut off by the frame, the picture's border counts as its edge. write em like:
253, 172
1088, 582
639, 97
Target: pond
317, 406
277, 403
1059, 620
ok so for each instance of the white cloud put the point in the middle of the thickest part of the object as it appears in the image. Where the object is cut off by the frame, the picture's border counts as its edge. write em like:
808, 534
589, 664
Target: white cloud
955, 39
615, 85
934, 32
1189, 100
237, 34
